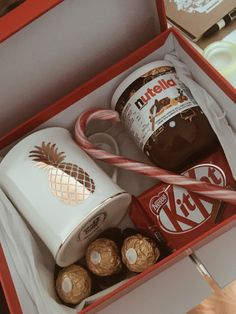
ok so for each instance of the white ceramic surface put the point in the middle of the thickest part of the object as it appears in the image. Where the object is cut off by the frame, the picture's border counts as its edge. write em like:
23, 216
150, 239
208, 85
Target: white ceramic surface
61, 192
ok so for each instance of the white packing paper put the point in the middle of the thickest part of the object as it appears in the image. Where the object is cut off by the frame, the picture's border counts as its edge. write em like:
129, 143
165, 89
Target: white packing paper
214, 113
34, 267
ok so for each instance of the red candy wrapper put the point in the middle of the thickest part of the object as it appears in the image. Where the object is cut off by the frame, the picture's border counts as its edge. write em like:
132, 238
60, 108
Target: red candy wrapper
177, 216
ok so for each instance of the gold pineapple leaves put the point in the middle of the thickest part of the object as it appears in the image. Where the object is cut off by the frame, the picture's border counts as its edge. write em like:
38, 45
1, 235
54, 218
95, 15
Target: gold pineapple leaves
48, 154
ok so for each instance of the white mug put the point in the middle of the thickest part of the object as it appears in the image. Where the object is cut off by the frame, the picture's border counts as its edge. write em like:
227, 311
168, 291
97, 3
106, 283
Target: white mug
61, 192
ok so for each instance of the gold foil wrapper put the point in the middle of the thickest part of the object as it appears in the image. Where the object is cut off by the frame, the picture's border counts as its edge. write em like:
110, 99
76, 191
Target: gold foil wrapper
139, 252
73, 284
103, 258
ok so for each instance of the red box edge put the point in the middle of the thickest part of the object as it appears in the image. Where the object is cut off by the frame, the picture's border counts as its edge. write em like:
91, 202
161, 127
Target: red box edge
23, 15
161, 11
8, 286
82, 91
228, 89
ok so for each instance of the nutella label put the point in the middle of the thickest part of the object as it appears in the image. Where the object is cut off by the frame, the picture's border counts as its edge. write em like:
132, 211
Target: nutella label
155, 103
178, 210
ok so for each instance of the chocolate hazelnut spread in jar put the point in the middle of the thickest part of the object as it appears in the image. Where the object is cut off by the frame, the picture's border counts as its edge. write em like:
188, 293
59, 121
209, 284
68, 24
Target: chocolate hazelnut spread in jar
164, 119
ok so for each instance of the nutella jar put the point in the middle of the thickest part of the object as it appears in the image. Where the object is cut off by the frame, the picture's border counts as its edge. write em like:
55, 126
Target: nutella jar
164, 119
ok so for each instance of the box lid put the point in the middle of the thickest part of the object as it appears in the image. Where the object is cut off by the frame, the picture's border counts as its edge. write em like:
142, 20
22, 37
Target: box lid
67, 46
15, 14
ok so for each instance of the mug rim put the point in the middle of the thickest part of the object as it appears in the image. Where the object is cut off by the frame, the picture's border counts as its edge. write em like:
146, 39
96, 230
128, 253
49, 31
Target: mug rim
62, 248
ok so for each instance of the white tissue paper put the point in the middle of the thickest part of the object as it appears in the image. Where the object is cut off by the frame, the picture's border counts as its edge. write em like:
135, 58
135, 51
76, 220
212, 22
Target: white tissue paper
214, 113
34, 269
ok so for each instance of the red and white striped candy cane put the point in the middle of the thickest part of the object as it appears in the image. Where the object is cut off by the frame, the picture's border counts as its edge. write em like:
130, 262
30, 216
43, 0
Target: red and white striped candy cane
200, 187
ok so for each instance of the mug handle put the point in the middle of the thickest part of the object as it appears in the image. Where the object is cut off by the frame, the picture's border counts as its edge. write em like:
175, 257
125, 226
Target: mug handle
199, 187
105, 141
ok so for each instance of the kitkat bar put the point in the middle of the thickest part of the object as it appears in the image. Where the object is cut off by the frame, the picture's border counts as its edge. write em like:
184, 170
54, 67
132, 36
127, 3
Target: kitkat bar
179, 216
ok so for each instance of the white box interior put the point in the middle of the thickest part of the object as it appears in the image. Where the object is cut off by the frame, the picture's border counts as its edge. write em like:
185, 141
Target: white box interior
219, 256
101, 98
64, 48
175, 290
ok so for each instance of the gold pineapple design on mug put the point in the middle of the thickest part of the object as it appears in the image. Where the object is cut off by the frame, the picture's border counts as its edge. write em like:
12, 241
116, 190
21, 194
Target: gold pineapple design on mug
67, 181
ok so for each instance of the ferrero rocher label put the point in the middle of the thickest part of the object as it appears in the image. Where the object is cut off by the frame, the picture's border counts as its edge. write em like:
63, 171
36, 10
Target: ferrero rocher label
103, 258
139, 252
73, 284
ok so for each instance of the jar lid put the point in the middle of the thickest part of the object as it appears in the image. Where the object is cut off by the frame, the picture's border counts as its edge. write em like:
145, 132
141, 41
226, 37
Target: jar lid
222, 55
133, 76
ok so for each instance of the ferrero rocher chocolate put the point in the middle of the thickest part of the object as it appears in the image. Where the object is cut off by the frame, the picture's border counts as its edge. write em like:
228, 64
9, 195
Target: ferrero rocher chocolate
73, 284
103, 258
139, 252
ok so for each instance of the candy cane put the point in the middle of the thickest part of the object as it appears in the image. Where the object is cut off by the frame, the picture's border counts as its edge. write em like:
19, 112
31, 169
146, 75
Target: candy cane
200, 187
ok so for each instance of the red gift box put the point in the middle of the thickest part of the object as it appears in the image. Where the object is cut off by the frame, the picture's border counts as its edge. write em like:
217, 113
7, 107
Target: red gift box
22, 15
97, 92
